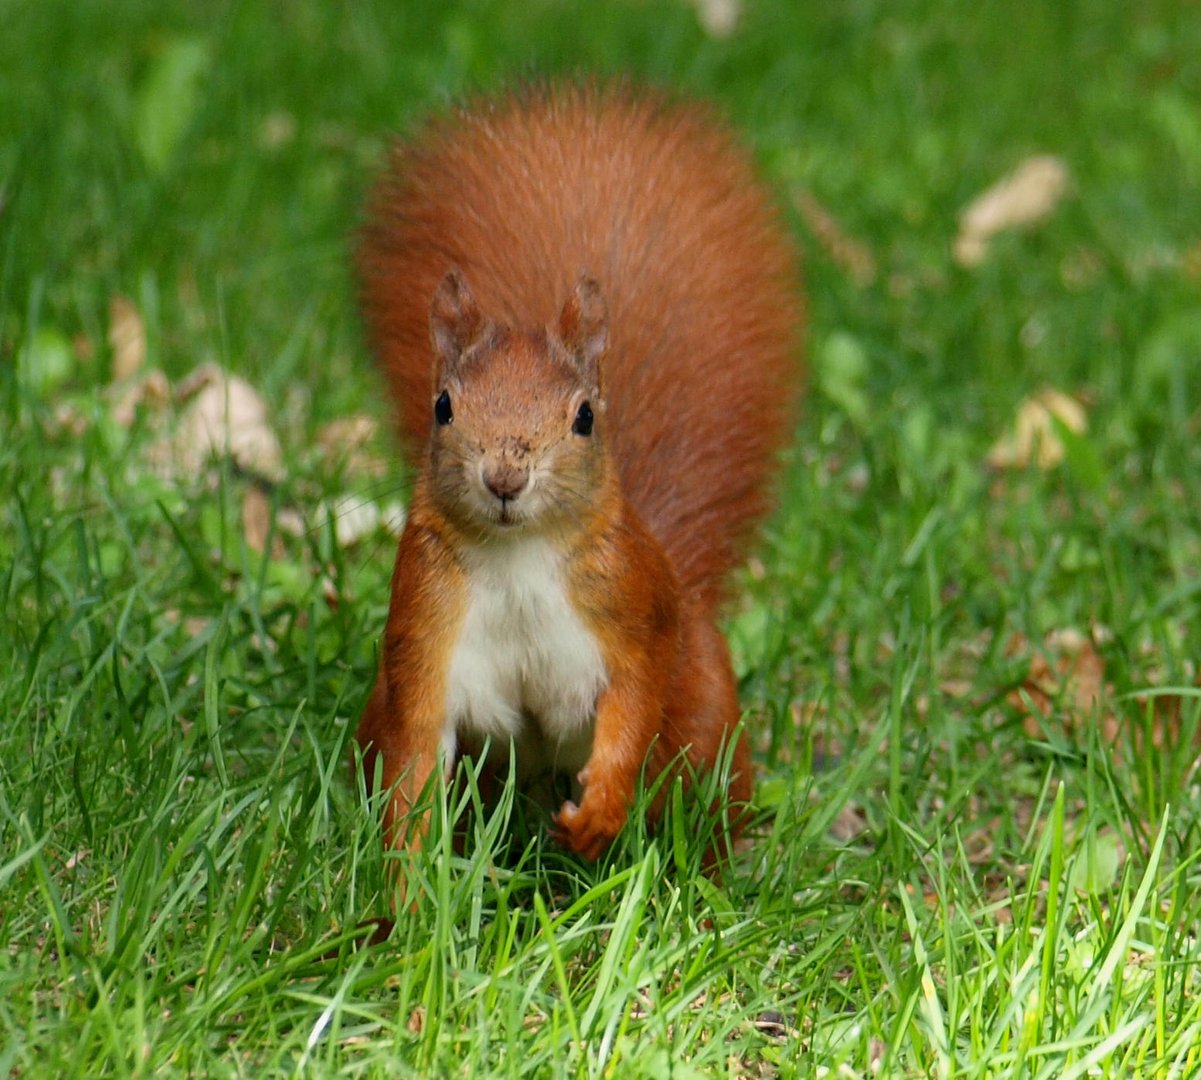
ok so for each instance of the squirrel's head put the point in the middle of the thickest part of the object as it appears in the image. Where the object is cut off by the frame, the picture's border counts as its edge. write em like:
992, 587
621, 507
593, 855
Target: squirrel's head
516, 442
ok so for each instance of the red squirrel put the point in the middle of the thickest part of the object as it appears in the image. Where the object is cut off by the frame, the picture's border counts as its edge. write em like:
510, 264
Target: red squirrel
588, 312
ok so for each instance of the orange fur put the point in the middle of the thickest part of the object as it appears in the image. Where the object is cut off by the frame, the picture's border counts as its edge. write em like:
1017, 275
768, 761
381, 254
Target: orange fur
658, 203
682, 331
418, 635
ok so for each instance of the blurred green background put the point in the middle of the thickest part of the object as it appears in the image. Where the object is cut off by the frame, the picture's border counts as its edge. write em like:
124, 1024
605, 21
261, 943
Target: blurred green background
208, 160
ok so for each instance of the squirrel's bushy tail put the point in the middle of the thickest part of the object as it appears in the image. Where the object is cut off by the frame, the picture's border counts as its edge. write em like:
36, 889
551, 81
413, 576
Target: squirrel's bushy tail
658, 202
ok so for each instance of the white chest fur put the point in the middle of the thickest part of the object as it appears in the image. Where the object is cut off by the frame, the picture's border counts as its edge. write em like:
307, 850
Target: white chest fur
524, 666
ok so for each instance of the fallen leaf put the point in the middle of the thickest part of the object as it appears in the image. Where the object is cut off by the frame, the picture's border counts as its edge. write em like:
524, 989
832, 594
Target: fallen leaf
718, 18
151, 390
348, 441
256, 522
224, 414
354, 518
1023, 198
1066, 681
1035, 437
70, 419
1167, 705
849, 823
288, 520
393, 516
346, 433
126, 338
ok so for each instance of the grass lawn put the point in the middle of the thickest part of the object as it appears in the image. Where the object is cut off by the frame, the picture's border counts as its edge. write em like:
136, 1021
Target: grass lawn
970, 671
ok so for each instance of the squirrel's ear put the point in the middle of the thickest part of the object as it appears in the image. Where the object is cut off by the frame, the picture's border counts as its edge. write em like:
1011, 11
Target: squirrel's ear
584, 326
455, 320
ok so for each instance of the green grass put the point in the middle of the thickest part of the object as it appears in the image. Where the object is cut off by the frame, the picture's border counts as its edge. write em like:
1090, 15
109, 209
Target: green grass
938, 884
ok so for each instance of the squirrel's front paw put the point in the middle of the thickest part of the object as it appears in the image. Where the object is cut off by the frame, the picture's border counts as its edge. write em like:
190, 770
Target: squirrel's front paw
589, 828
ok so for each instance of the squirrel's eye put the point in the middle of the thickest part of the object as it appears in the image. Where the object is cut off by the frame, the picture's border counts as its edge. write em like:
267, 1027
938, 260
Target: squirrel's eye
583, 420
443, 413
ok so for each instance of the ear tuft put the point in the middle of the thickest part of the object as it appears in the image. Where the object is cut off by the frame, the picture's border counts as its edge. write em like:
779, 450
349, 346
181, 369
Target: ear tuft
584, 326
455, 319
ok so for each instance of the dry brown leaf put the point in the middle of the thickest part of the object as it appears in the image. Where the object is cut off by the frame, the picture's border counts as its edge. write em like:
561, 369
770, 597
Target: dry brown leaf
224, 414
126, 338
256, 522
393, 516
718, 18
70, 419
354, 518
1166, 707
290, 522
1066, 680
347, 440
151, 390
1023, 198
1034, 437
849, 823
346, 433
849, 254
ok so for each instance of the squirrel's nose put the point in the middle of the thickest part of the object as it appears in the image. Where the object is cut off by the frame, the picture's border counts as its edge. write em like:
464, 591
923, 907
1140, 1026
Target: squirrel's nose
505, 481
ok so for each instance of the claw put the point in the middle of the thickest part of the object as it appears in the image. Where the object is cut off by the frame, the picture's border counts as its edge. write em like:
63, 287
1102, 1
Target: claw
579, 830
